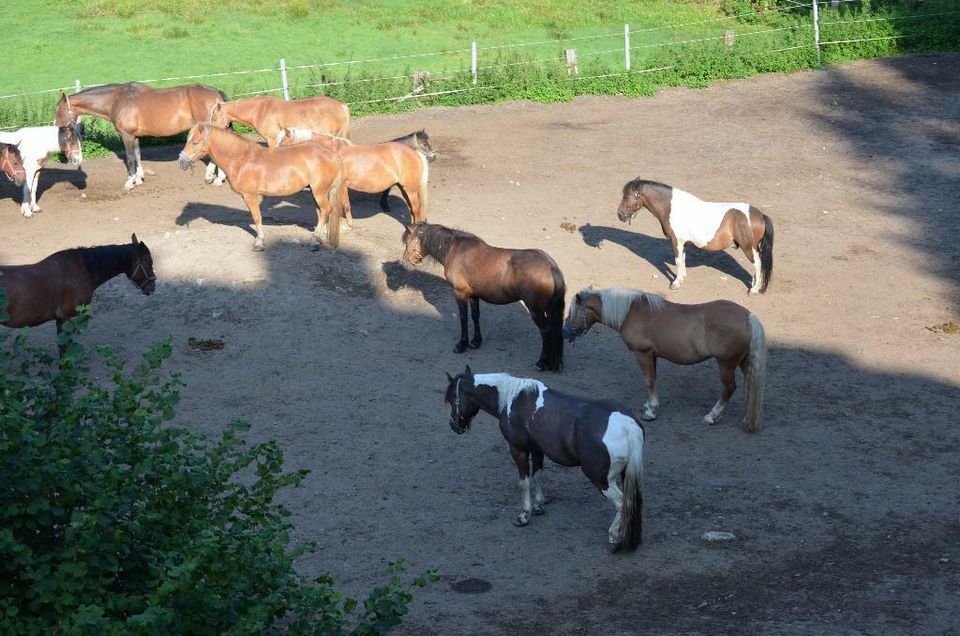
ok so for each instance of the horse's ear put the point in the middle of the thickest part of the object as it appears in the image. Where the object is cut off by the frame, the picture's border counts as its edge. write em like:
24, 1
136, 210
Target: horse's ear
133, 239
449, 377
468, 372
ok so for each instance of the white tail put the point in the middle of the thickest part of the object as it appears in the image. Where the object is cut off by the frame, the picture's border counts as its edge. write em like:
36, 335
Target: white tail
756, 371
345, 129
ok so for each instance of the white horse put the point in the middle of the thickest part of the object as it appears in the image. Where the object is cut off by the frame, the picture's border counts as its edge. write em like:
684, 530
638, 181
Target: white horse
35, 144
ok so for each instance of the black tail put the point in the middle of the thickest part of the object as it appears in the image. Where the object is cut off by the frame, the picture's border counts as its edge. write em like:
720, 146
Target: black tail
554, 330
765, 247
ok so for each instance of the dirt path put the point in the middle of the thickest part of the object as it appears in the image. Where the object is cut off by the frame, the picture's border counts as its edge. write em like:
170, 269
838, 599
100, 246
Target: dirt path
845, 507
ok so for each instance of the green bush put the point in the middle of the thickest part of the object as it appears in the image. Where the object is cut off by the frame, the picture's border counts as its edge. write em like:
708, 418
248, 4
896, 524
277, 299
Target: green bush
113, 520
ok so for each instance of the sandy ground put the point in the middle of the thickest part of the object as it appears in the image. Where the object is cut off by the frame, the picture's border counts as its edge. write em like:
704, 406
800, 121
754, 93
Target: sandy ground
845, 507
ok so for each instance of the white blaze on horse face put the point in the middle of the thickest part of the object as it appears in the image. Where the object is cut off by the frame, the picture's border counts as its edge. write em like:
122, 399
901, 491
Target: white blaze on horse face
697, 221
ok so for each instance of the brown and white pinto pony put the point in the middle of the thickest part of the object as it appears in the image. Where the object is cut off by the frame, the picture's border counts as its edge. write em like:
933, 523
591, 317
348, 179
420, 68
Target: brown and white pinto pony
255, 172
11, 164
710, 226
653, 328
138, 110
270, 115
374, 168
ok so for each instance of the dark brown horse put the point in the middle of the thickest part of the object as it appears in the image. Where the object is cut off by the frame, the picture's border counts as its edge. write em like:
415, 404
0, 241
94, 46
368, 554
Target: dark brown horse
499, 276
600, 437
11, 164
270, 115
655, 328
710, 226
137, 110
53, 288
255, 171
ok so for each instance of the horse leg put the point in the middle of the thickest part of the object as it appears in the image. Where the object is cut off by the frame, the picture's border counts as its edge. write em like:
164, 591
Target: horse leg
25, 208
753, 255
615, 495
681, 265
728, 377
253, 202
540, 319
648, 364
384, 200
345, 202
539, 499
462, 307
33, 191
140, 170
214, 175
522, 460
130, 156
475, 314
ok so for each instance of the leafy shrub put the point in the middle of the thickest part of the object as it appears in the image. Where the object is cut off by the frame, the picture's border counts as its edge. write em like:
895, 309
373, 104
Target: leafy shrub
112, 520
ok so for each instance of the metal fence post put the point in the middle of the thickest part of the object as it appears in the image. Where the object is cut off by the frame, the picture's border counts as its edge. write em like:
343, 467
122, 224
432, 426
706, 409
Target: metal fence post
816, 29
626, 46
473, 60
283, 79
77, 86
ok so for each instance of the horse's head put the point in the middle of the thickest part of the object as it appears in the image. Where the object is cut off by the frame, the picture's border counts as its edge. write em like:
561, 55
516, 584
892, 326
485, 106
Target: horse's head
423, 144
463, 407
631, 202
413, 248
11, 163
69, 137
65, 115
196, 146
218, 117
585, 309
142, 273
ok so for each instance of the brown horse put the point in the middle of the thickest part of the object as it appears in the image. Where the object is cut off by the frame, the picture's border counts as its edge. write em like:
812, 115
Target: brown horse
11, 164
498, 276
137, 110
269, 115
710, 226
53, 288
654, 328
374, 168
255, 171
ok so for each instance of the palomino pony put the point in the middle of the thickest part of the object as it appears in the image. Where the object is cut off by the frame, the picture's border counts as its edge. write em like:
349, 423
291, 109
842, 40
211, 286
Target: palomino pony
11, 164
602, 438
654, 328
478, 271
137, 110
255, 171
269, 115
374, 168
53, 288
35, 144
710, 226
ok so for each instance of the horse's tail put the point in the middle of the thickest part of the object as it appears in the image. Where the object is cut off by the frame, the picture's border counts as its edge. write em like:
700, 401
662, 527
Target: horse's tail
345, 128
765, 247
422, 186
755, 368
631, 511
554, 330
336, 205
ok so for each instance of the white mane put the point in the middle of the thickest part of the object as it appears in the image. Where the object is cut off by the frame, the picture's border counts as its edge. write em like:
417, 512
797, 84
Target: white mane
509, 388
617, 302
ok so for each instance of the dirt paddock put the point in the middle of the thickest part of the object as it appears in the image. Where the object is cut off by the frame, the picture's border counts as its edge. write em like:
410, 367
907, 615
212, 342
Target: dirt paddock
845, 507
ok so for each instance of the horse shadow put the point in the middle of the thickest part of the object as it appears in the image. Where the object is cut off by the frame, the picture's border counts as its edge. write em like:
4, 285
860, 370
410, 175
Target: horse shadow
48, 178
239, 217
659, 253
366, 206
435, 290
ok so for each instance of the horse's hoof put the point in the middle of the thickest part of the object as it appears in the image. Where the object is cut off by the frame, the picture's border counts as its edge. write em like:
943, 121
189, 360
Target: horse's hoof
521, 520
258, 247
753, 292
707, 419
460, 348
675, 285
544, 500
540, 365
475, 344
538, 510
314, 245
648, 415
613, 548
27, 214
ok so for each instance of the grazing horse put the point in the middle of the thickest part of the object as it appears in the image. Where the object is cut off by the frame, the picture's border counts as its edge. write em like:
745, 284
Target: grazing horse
255, 171
710, 226
53, 288
653, 327
35, 144
374, 168
137, 110
269, 115
11, 164
478, 271
537, 421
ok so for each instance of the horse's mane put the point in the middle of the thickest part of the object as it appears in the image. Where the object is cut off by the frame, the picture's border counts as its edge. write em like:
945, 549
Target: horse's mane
639, 184
509, 388
617, 302
404, 138
94, 90
437, 239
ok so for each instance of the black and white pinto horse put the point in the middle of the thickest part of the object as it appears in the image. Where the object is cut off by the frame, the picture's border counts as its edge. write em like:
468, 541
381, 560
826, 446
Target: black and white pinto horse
710, 226
600, 437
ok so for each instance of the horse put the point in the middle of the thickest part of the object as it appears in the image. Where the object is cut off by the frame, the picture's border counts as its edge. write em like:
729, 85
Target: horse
419, 141
603, 438
653, 327
11, 164
710, 226
35, 144
499, 276
255, 171
53, 288
269, 115
374, 168
137, 110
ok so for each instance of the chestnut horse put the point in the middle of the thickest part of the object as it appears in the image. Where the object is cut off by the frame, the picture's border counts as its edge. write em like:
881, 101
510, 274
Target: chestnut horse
137, 110
374, 168
710, 226
11, 164
537, 421
653, 327
53, 288
255, 171
269, 115
499, 276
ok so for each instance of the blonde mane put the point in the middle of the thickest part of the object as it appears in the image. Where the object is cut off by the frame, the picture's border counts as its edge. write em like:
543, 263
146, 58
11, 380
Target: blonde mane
617, 302
509, 388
